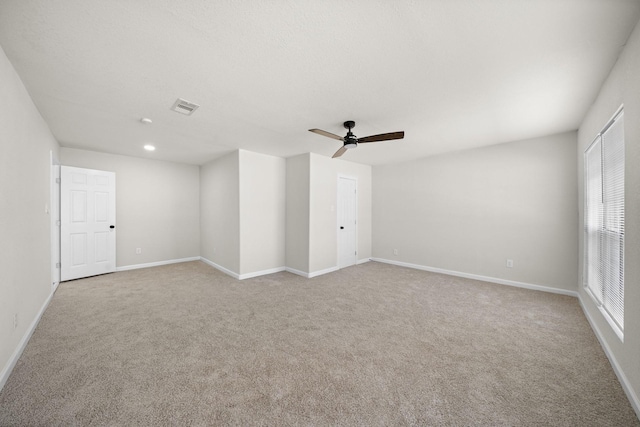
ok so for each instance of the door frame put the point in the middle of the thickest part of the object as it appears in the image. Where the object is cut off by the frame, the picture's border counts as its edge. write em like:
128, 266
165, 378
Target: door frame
55, 216
355, 179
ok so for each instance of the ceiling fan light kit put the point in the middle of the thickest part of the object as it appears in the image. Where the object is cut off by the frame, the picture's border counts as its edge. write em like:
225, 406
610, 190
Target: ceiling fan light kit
352, 141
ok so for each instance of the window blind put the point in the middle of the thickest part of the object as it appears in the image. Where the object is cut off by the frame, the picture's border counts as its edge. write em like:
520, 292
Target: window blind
604, 220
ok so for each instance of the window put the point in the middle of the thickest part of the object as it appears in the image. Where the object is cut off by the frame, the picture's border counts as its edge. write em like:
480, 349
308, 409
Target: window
604, 222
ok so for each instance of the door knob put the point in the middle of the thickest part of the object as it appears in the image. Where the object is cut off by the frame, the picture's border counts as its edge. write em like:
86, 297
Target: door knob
341, 228
112, 226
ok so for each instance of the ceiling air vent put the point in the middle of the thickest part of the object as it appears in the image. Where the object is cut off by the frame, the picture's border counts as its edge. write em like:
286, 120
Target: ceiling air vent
184, 107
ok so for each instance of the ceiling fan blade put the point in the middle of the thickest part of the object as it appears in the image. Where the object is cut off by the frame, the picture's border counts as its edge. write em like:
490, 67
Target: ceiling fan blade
339, 153
381, 137
327, 134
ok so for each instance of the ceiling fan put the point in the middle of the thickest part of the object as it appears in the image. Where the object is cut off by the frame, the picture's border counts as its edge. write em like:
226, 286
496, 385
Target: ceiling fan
351, 141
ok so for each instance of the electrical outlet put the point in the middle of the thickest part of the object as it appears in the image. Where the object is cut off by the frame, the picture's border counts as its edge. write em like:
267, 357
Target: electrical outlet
509, 263
395, 252
15, 321
138, 251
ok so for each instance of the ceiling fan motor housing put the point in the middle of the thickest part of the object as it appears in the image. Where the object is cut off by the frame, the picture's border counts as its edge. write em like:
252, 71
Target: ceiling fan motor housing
350, 141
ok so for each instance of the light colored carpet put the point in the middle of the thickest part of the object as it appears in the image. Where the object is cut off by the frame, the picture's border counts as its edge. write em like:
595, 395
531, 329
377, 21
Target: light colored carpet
368, 345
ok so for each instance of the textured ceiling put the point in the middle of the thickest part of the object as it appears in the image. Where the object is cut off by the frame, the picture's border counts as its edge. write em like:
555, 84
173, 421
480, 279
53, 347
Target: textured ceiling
452, 74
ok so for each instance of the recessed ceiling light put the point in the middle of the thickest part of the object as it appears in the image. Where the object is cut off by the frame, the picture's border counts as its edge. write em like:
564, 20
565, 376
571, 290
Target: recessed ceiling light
149, 147
146, 120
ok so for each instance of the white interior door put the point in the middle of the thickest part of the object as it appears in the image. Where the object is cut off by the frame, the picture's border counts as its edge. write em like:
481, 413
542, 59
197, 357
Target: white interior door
88, 220
347, 215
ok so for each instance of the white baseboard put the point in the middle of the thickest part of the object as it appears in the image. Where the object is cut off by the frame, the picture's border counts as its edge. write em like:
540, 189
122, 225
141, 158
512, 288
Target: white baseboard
312, 274
479, 277
156, 264
6, 371
321, 272
624, 381
298, 272
270, 271
241, 276
221, 268
261, 273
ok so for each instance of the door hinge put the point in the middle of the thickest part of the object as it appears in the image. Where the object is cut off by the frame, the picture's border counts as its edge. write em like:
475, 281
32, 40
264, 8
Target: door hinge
355, 253
58, 223
58, 265
57, 180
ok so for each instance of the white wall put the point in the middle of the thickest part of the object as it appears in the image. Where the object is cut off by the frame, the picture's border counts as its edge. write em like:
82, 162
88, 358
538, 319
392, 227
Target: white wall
25, 248
621, 87
262, 212
157, 205
297, 213
323, 226
220, 212
469, 211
